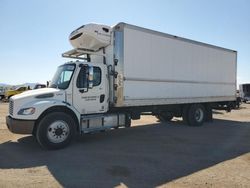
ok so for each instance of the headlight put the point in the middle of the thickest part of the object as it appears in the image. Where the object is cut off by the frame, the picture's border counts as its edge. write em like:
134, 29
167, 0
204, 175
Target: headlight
27, 111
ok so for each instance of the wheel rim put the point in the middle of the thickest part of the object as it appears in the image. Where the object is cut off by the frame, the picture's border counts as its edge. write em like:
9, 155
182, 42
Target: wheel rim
199, 114
58, 131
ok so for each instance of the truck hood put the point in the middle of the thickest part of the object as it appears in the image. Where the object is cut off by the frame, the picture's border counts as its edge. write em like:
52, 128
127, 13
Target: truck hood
40, 93
40, 99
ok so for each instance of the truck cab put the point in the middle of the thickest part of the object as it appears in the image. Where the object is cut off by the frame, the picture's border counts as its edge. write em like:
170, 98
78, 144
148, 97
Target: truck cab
77, 101
85, 86
78, 98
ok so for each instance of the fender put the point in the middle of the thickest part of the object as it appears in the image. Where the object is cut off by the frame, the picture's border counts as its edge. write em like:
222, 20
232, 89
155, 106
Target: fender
66, 109
43, 105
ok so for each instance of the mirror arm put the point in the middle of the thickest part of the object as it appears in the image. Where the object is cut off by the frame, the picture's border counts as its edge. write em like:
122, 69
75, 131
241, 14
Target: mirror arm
90, 77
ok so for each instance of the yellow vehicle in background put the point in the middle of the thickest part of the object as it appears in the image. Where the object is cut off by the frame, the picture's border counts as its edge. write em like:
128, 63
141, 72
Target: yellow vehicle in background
10, 93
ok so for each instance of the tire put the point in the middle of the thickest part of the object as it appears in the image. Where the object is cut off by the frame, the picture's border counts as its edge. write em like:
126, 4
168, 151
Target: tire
55, 130
185, 114
209, 113
165, 116
127, 121
196, 115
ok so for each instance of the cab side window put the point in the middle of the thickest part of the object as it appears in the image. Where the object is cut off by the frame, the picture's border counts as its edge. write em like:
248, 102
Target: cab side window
82, 79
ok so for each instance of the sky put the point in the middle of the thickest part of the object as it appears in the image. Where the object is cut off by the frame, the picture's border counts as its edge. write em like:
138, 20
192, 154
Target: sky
34, 34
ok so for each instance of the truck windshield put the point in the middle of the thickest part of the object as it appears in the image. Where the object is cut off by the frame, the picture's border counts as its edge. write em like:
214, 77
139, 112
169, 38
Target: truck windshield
63, 76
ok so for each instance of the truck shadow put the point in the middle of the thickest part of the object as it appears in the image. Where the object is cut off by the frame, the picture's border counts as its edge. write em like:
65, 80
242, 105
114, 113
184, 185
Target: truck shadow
141, 156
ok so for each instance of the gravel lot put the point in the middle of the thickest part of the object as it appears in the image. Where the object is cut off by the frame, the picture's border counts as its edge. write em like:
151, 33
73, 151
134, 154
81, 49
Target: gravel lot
149, 154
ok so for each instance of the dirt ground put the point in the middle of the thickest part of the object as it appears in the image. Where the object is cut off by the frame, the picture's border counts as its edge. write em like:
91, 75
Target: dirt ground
149, 154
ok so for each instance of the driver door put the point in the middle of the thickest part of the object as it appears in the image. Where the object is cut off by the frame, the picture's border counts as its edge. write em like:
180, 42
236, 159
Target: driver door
91, 91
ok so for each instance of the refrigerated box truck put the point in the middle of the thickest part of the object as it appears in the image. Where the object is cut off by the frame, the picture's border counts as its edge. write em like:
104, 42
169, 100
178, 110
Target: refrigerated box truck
119, 73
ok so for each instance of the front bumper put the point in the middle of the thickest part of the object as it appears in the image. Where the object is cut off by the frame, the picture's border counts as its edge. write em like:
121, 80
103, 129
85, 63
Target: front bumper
20, 126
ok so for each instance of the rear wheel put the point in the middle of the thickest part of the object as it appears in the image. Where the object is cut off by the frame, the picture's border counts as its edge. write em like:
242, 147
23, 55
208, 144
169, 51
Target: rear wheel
128, 120
185, 114
165, 116
209, 113
55, 130
196, 115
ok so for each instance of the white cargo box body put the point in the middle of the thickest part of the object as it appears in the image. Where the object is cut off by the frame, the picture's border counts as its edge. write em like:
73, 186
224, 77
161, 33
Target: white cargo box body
158, 68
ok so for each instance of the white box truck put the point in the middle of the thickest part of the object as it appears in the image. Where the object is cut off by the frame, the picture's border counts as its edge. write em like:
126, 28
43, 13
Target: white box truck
244, 90
119, 73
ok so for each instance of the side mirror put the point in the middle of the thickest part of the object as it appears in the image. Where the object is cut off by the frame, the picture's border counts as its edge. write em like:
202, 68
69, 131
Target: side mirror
90, 77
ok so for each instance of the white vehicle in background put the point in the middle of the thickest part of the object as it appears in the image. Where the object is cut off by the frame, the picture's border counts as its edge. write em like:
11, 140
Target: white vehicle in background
119, 73
245, 92
2, 91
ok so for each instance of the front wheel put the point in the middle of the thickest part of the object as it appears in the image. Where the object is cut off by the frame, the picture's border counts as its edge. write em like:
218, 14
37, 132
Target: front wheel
55, 130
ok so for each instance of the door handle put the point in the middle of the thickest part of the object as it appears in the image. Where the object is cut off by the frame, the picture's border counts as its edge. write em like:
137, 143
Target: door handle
102, 97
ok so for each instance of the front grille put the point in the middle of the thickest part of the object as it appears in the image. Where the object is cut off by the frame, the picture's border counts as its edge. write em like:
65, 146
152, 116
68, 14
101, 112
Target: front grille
11, 107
